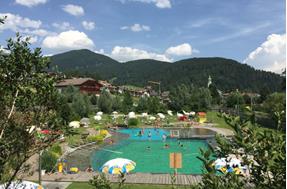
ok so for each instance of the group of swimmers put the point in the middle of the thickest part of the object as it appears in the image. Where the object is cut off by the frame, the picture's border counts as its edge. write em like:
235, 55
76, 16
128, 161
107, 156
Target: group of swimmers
166, 146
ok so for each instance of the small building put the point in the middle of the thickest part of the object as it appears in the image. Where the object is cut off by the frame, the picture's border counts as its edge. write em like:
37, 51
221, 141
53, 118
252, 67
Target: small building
86, 85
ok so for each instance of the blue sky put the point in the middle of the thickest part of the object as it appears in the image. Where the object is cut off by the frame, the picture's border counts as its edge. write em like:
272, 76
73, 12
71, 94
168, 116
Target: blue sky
249, 31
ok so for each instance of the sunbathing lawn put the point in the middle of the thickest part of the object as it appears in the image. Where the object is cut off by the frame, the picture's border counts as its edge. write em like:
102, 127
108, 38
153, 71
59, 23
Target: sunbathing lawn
84, 185
219, 121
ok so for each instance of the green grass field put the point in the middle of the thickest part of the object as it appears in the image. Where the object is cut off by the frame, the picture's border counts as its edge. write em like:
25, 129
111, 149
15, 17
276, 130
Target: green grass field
219, 121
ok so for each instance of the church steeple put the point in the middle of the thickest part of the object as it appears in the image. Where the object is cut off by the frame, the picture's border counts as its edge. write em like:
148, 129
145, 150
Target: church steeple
209, 81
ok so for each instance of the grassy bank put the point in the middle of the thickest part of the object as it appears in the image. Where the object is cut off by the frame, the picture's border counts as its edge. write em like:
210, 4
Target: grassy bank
219, 121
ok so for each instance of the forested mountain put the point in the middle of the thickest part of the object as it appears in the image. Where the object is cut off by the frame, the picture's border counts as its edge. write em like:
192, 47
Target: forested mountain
226, 74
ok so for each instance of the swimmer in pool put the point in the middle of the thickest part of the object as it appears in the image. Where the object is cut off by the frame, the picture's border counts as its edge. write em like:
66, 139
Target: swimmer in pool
166, 146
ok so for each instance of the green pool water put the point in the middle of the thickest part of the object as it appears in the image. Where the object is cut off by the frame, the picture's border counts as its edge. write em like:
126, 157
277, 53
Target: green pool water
155, 159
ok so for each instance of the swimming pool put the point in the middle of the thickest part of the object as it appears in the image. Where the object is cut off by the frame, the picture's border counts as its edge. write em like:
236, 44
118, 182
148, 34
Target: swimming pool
149, 152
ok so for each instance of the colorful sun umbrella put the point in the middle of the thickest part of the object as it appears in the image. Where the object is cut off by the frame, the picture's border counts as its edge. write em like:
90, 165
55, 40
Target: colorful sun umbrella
117, 166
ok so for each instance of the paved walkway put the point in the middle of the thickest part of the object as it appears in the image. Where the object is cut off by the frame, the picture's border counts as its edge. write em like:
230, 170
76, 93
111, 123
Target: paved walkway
140, 178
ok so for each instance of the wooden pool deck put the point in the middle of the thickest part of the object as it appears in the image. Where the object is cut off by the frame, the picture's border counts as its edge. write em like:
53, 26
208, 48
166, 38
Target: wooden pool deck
139, 178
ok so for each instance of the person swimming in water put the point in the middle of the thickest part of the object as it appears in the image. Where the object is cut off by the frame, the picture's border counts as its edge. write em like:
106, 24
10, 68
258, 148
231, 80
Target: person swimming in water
166, 146
164, 137
149, 135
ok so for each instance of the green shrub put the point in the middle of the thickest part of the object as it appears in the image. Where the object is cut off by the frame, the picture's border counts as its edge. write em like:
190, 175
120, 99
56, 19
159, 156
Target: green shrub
133, 122
95, 138
100, 182
56, 149
49, 160
74, 140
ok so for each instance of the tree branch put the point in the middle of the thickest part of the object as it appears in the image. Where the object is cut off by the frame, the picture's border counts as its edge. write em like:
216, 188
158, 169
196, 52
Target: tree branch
10, 113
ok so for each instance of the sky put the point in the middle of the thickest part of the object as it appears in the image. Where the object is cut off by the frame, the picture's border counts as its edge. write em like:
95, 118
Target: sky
249, 31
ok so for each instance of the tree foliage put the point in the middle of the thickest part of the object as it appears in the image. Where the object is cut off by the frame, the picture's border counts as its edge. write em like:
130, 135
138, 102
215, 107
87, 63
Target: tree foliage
127, 103
263, 151
105, 102
190, 98
28, 104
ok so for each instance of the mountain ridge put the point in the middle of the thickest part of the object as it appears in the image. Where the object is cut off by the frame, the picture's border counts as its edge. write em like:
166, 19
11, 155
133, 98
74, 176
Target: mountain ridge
227, 74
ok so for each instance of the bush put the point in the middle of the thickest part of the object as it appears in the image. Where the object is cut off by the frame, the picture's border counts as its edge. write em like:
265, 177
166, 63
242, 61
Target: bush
56, 149
133, 122
100, 182
49, 160
74, 140
95, 138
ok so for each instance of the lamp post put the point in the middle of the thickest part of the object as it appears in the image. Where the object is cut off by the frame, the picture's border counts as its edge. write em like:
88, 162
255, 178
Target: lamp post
40, 168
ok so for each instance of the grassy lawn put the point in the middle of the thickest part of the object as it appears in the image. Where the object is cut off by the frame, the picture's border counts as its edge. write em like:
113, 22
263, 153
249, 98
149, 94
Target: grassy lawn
85, 185
219, 121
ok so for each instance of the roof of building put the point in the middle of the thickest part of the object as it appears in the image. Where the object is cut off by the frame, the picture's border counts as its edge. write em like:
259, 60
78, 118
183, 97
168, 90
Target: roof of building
73, 82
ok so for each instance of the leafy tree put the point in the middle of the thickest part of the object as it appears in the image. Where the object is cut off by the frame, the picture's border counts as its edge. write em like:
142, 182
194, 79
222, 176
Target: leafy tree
117, 103
214, 94
276, 102
94, 100
263, 151
154, 105
65, 110
275, 105
234, 99
70, 92
81, 105
105, 102
142, 104
190, 98
29, 104
127, 103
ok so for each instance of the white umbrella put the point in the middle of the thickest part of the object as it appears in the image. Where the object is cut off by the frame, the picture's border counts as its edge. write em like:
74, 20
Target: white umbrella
99, 113
117, 166
132, 115
152, 118
169, 112
179, 114
161, 116
185, 113
98, 117
192, 113
74, 124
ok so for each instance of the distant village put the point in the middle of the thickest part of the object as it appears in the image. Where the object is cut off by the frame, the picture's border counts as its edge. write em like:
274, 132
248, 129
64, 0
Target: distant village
92, 86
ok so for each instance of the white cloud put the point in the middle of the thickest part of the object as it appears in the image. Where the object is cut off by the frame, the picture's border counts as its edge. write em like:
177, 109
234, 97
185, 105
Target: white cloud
124, 54
270, 55
158, 3
32, 39
184, 49
136, 28
38, 32
74, 10
30, 3
63, 26
163, 4
16, 23
68, 40
88, 25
